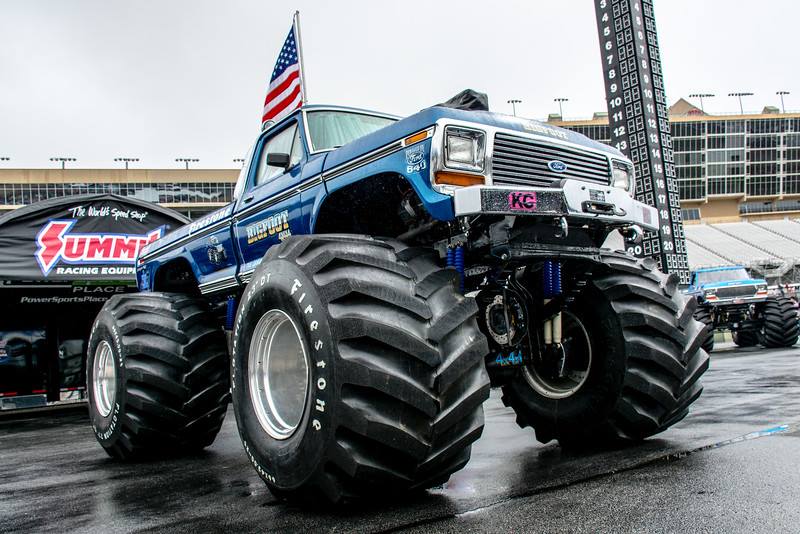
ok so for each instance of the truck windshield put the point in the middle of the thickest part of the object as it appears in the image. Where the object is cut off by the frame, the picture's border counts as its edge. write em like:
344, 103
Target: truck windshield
725, 275
332, 129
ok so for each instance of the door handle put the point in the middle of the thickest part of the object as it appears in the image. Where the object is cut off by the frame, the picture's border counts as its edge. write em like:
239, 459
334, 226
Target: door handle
248, 199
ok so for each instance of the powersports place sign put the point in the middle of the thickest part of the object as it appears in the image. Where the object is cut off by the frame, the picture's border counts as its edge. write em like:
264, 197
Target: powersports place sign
87, 241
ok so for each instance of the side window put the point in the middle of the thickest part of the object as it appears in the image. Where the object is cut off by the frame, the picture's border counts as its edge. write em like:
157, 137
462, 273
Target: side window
297, 149
281, 143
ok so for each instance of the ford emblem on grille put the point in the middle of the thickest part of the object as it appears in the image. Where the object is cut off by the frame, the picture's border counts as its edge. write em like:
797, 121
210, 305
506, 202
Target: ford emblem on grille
557, 166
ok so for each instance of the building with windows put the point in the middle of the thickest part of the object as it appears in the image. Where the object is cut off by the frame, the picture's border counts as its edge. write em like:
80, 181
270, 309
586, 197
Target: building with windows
191, 192
729, 167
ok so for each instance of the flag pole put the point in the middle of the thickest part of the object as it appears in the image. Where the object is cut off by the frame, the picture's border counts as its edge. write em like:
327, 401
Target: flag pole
296, 23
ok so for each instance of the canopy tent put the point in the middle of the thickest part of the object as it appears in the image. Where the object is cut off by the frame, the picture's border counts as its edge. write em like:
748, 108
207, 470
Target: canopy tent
60, 260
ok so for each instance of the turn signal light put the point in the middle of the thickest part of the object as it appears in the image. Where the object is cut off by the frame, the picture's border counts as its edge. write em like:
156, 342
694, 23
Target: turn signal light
410, 140
457, 178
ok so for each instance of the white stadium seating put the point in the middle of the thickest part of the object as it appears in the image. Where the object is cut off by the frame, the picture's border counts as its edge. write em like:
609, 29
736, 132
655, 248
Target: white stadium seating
751, 244
702, 257
763, 238
724, 245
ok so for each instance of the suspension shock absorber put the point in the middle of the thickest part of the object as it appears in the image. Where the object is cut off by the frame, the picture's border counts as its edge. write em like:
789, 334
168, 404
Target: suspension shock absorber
230, 312
551, 280
458, 261
455, 259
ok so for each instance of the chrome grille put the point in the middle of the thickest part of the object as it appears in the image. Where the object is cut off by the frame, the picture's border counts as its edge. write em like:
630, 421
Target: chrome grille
522, 161
736, 291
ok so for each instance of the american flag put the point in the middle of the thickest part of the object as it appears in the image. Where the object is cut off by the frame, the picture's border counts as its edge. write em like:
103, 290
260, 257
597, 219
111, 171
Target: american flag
285, 93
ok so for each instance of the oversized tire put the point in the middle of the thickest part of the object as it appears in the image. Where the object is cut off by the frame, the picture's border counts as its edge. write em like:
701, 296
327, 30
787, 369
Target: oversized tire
157, 375
378, 384
704, 316
746, 338
780, 323
646, 360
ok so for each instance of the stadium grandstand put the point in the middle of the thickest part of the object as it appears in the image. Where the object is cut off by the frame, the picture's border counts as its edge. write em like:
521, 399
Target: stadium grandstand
770, 249
738, 176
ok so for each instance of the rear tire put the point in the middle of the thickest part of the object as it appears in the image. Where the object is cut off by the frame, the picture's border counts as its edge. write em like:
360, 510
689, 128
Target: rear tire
704, 316
646, 363
781, 328
395, 383
157, 375
745, 338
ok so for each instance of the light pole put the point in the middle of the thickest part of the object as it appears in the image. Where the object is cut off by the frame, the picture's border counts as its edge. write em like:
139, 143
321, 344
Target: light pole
62, 160
187, 161
701, 96
781, 93
127, 161
739, 96
560, 109
240, 161
514, 103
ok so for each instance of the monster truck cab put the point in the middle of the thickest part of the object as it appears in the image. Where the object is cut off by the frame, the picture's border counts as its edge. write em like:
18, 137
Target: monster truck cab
717, 286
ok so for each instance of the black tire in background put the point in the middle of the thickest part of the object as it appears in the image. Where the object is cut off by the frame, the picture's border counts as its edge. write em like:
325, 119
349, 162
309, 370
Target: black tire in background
780, 322
703, 315
647, 361
71, 358
395, 378
745, 338
170, 378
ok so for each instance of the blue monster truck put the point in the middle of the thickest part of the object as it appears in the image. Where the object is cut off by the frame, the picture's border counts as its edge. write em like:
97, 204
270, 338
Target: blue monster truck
730, 299
374, 274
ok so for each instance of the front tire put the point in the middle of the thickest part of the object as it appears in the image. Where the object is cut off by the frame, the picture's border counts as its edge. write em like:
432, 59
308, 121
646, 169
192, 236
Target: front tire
157, 375
781, 328
387, 369
703, 315
646, 362
745, 338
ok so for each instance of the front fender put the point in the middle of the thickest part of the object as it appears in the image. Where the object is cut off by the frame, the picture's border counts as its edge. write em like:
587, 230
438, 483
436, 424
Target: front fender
405, 162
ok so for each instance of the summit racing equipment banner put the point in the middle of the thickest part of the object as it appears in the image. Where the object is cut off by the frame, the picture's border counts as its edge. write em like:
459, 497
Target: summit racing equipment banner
82, 238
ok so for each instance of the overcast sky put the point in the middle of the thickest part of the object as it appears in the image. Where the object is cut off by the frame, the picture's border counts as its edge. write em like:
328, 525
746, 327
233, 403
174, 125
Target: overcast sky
160, 79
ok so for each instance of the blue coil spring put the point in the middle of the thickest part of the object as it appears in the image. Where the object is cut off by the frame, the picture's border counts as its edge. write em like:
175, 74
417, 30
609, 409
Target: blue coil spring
459, 265
450, 257
230, 313
551, 278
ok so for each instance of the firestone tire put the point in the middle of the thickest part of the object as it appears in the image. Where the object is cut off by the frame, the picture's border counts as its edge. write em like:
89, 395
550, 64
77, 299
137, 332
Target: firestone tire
648, 361
704, 316
157, 375
746, 338
781, 328
395, 377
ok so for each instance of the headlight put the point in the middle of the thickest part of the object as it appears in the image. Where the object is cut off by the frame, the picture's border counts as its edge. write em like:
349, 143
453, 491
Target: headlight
464, 149
622, 177
712, 291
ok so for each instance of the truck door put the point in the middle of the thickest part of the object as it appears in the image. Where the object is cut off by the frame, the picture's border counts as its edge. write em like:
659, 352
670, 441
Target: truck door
270, 208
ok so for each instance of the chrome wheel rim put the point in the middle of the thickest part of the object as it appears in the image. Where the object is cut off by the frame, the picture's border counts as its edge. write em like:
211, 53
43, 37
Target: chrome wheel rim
279, 374
577, 362
104, 380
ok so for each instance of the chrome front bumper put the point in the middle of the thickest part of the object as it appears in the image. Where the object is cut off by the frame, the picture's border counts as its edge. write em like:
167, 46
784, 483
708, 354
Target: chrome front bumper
573, 200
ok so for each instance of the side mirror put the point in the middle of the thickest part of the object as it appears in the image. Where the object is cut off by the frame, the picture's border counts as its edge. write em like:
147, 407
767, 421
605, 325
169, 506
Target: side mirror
278, 159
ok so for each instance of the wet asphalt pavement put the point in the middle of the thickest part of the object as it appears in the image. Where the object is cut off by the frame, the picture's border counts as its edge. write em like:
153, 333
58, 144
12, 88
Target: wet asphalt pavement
733, 465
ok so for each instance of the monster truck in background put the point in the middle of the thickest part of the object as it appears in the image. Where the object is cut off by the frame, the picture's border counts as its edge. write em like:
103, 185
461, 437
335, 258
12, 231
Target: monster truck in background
730, 299
357, 364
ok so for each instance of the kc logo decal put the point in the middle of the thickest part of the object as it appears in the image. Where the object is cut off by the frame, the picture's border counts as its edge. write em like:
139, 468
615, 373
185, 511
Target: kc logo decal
57, 244
522, 201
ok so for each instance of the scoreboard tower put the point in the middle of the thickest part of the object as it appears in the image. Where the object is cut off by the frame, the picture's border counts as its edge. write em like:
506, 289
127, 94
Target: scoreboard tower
639, 122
